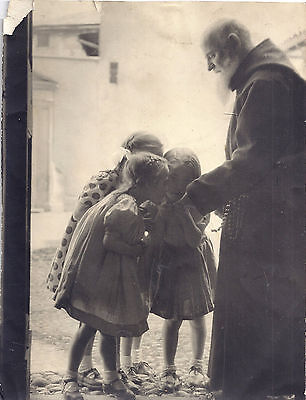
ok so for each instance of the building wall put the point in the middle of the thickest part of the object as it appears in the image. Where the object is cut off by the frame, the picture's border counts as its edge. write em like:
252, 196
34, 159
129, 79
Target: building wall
163, 84
75, 142
42, 121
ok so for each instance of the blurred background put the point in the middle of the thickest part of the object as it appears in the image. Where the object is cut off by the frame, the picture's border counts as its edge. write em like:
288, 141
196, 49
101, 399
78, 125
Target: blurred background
102, 71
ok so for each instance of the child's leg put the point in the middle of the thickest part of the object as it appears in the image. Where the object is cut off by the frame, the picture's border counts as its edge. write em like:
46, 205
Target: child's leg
78, 344
118, 347
77, 348
108, 354
113, 385
89, 376
86, 363
169, 379
126, 350
198, 337
136, 349
170, 333
126, 360
130, 350
131, 355
140, 366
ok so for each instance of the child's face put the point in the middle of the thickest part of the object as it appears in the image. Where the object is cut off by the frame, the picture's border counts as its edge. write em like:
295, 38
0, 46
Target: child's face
179, 177
156, 191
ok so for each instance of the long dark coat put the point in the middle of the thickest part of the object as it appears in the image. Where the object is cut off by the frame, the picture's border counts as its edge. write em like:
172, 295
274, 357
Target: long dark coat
258, 331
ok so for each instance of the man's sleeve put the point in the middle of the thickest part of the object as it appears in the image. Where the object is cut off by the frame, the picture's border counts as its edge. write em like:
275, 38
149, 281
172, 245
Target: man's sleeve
261, 128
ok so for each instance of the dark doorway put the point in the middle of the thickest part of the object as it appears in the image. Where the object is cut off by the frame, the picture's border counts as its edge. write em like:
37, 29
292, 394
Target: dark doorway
16, 167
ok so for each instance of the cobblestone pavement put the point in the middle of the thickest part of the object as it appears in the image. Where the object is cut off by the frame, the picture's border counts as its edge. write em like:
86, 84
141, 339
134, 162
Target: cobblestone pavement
104, 397
52, 331
49, 383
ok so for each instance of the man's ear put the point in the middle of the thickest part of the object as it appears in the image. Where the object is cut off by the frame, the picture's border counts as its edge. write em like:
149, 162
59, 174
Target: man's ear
233, 44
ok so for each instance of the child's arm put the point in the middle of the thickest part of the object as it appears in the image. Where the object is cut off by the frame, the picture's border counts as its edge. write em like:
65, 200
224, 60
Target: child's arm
192, 232
148, 210
113, 242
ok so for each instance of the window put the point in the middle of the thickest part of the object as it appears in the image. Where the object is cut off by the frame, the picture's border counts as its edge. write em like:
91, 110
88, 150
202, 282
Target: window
113, 72
90, 43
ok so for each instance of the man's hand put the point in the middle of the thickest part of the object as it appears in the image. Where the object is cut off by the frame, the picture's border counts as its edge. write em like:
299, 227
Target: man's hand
185, 202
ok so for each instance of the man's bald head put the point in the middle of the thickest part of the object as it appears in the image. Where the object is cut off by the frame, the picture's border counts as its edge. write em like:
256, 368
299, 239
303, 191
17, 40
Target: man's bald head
221, 33
225, 45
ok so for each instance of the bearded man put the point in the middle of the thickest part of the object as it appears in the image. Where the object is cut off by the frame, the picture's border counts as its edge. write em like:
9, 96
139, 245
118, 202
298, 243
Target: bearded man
258, 328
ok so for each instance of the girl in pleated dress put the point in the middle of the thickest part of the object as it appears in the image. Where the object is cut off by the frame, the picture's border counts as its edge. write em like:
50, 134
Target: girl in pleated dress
184, 283
100, 285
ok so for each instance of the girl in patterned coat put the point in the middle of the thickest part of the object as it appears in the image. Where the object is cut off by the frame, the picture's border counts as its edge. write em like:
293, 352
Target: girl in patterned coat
99, 285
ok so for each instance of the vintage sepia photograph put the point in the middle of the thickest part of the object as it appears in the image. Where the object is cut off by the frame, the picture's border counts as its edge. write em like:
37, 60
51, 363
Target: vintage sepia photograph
167, 200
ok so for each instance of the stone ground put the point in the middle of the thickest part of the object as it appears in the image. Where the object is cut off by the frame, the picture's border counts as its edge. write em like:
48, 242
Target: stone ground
48, 383
52, 330
104, 397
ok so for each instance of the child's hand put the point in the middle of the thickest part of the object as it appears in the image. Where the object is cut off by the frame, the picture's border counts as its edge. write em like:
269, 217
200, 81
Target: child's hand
146, 240
148, 209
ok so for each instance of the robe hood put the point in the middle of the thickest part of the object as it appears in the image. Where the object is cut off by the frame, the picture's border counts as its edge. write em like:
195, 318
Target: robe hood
264, 55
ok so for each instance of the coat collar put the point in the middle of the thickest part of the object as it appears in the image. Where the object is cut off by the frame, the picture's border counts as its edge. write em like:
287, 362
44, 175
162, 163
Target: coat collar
265, 54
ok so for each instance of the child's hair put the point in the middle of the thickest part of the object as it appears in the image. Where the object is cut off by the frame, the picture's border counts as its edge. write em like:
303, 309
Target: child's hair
186, 157
143, 141
143, 168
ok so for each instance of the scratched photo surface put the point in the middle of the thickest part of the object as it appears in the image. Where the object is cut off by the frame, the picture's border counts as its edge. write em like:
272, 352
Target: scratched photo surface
102, 71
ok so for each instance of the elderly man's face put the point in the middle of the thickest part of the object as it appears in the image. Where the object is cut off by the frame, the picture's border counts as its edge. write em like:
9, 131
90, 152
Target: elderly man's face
219, 61
214, 60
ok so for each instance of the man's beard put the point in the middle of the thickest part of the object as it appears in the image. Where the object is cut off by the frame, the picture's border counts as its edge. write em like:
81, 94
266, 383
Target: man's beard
222, 88
223, 80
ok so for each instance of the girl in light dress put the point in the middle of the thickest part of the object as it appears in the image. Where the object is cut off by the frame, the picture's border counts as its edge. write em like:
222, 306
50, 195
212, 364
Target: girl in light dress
185, 281
99, 285
99, 186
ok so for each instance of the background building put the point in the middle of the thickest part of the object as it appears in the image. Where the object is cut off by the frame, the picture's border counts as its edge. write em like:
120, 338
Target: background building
102, 72
65, 109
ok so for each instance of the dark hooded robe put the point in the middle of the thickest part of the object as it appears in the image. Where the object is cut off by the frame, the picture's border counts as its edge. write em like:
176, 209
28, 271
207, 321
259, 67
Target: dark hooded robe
258, 327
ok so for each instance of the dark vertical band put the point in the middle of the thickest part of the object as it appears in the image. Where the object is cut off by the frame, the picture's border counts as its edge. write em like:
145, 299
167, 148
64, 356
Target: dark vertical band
16, 167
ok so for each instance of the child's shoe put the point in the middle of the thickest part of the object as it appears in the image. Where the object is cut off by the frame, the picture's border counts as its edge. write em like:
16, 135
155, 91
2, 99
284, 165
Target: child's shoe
133, 376
143, 368
170, 382
124, 378
197, 378
70, 389
119, 390
90, 379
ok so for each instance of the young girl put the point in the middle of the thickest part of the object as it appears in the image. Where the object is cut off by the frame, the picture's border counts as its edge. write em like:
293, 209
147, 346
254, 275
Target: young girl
100, 280
99, 186
184, 287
